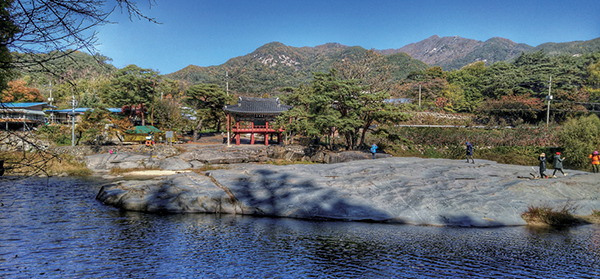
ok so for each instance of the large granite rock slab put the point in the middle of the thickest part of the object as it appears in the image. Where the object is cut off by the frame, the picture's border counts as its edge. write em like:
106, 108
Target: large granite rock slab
124, 160
196, 156
401, 190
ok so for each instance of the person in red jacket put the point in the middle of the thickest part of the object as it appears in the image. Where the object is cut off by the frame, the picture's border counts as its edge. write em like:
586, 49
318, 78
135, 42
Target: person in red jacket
595, 161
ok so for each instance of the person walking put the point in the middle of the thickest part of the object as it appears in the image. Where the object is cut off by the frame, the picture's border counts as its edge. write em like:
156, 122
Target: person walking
557, 164
374, 150
470, 152
595, 161
542, 159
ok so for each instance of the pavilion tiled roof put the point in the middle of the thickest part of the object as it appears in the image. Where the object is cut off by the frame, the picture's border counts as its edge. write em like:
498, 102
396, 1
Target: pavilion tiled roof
250, 105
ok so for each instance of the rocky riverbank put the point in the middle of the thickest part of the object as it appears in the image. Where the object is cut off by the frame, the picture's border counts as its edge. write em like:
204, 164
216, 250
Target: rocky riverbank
191, 156
400, 190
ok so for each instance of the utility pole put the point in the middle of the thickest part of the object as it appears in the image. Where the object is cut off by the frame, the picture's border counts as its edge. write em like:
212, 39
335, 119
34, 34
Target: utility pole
419, 95
73, 121
549, 98
51, 100
228, 119
153, 93
227, 83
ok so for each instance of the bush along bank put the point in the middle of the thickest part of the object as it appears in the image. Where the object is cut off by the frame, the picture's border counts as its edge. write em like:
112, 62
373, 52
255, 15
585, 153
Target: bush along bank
520, 145
42, 163
547, 216
515, 155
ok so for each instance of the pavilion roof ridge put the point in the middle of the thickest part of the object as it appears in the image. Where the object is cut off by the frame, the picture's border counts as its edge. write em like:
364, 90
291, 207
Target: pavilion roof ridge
255, 105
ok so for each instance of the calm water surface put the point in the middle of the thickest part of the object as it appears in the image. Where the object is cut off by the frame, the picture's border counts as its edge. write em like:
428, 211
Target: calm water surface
56, 229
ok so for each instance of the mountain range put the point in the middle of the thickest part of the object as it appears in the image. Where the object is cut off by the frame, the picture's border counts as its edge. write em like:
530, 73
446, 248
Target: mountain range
275, 65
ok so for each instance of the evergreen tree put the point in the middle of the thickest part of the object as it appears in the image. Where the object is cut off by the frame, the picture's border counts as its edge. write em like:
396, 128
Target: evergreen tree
208, 101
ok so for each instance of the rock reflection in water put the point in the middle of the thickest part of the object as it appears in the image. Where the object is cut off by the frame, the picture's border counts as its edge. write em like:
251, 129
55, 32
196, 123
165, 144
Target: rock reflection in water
59, 230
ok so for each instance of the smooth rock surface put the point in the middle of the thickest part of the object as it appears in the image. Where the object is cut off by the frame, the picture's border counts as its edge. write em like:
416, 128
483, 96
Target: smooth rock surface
196, 156
403, 190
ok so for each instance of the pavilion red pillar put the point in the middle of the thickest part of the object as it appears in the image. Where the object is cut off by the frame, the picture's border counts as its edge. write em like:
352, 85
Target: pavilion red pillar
237, 135
267, 133
252, 133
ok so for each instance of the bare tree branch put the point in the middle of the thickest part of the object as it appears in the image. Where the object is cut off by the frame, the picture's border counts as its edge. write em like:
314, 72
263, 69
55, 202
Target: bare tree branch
56, 28
62, 26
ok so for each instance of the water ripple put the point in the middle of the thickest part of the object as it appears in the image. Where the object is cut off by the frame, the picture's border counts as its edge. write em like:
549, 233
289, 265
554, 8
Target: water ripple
56, 229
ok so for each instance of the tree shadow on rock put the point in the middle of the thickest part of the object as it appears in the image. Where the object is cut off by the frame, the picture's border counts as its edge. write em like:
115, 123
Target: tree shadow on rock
286, 195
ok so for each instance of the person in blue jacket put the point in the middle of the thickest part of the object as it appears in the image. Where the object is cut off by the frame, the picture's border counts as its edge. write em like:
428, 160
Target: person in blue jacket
374, 150
470, 152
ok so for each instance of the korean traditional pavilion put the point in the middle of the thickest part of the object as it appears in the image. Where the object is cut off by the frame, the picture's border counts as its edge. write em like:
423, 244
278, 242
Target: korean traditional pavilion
253, 116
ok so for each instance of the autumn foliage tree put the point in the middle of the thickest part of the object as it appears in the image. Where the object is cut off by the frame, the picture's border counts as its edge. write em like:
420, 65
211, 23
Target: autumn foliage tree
428, 86
512, 108
17, 91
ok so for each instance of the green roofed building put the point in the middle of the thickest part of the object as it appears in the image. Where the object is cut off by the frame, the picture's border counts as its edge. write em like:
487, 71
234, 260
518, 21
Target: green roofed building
139, 133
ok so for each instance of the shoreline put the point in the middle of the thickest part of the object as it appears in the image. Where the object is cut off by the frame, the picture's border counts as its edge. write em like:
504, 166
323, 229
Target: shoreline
437, 192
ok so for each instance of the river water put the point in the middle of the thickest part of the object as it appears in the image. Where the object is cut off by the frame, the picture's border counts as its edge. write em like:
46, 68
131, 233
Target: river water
54, 228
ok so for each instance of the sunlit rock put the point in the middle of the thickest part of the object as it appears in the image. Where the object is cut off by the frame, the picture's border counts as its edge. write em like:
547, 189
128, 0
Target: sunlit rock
400, 190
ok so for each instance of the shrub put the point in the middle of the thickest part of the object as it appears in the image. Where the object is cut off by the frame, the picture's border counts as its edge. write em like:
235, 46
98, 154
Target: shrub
579, 138
58, 134
546, 215
520, 145
42, 163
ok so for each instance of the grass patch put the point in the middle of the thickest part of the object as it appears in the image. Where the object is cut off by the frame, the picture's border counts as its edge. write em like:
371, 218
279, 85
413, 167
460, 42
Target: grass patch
286, 162
119, 171
42, 163
548, 216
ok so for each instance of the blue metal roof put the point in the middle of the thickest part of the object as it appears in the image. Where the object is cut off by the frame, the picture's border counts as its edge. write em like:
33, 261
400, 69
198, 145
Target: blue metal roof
23, 105
77, 110
81, 110
398, 101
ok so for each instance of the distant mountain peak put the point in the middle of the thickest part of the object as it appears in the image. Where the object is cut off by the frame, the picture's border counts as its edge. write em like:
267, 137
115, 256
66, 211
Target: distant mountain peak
274, 54
275, 65
330, 46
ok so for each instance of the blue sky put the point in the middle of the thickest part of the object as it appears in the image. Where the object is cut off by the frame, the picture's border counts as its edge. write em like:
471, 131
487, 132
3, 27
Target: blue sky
210, 32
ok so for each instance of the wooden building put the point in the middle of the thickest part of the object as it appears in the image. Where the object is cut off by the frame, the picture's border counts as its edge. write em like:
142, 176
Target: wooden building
14, 116
254, 116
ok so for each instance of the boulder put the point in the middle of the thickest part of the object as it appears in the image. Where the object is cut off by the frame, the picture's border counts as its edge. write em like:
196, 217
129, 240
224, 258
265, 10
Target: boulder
401, 190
